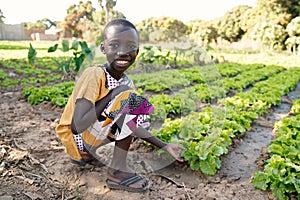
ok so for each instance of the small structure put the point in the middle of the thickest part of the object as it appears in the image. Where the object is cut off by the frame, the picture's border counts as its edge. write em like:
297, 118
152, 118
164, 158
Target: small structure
18, 32
12, 32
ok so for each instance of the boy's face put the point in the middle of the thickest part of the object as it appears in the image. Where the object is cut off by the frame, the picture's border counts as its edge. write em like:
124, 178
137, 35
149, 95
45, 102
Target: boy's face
120, 46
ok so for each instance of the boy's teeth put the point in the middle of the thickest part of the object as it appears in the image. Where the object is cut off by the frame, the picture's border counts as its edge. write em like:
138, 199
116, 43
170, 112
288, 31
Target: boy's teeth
122, 61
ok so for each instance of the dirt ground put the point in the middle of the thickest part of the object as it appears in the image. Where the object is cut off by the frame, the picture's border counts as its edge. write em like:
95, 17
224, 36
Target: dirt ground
34, 165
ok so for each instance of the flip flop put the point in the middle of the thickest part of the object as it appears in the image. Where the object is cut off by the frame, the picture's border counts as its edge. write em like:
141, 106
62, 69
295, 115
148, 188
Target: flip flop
90, 161
124, 184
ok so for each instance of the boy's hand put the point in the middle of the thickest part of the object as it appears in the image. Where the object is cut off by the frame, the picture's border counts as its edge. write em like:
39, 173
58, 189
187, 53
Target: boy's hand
175, 151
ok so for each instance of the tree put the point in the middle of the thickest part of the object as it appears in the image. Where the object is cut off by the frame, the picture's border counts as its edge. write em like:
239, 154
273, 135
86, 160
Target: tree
77, 17
108, 6
1, 17
203, 32
38, 25
230, 25
293, 30
97, 25
100, 16
162, 29
48, 23
294, 8
273, 11
271, 35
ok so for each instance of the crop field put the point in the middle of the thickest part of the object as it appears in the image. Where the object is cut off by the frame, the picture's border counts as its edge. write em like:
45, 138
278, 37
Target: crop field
239, 122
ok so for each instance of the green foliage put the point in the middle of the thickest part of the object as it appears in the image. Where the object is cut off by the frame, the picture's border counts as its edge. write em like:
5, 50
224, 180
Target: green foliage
44, 23
151, 56
273, 11
157, 81
1, 17
162, 29
203, 33
21, 73
282, 171
293, 29
293, 44
296, 107
31, 56
230, 25
79, 55
57, 94
207, 135
276, 12
108, 7
3, 74
271, 35
77, 17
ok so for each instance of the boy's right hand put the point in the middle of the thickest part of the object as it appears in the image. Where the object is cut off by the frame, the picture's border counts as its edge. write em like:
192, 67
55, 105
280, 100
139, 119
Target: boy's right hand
175, 151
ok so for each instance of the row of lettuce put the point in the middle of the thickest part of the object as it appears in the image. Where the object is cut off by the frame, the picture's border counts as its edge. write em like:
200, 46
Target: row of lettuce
19, 72
208, 134
185, 100
167, 80
200, 84
281, 172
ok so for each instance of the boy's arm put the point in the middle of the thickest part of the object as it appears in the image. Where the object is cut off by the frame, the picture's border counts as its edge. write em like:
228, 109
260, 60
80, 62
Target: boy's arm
85, 113
173, 149
142, 133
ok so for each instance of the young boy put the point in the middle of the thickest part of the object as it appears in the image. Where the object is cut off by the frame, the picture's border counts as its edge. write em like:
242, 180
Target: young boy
104, 107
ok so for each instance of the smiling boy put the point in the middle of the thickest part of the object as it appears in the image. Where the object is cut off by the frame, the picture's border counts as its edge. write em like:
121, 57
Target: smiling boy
104, 108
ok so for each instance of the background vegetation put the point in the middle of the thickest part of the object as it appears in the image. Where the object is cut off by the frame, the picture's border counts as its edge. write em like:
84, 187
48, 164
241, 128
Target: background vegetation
274, 24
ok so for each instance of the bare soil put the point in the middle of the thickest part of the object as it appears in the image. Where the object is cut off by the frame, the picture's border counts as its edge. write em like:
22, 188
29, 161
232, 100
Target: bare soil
34, 165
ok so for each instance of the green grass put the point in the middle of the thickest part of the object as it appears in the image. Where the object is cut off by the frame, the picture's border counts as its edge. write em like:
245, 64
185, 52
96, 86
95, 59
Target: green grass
19, 50
19, 45
268, 58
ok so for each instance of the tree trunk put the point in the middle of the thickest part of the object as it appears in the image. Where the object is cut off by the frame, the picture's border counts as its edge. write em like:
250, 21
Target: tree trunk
294, 49
107, 13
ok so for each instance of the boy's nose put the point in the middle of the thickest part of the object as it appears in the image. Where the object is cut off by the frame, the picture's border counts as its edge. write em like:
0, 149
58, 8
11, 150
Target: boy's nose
122, 51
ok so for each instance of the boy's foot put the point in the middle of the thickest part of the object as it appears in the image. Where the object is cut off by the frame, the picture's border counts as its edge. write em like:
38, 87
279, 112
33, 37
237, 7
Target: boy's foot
87, 158
130, 182
92, 161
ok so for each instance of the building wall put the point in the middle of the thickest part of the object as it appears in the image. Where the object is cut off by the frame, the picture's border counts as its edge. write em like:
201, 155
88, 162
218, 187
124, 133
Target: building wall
12, 32
18, 32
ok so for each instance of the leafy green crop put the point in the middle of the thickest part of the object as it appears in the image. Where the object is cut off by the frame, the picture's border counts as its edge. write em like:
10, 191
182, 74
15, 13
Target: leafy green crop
79, 55
58, 94
282, 171
31, 56
296, 107
206, 135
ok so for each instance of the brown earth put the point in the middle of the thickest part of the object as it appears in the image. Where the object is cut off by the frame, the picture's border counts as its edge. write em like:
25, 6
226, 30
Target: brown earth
34, 165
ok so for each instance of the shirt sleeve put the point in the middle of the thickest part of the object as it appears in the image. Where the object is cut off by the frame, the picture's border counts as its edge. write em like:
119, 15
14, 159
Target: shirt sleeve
88, 85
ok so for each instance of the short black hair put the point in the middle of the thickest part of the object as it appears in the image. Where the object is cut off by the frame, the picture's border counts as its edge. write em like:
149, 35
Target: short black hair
119, 21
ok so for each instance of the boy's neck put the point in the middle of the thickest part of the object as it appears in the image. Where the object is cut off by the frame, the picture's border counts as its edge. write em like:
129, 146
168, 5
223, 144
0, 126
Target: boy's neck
113, 72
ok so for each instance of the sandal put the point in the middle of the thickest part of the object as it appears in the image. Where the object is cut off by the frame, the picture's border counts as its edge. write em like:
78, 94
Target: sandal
124, 184
90, 161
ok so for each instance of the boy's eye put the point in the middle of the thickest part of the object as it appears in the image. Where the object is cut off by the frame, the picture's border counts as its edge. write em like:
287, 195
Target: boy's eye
132, 47
114, 45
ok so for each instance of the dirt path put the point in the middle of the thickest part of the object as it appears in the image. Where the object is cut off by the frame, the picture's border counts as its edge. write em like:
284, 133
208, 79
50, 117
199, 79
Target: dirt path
33, 164
240, 162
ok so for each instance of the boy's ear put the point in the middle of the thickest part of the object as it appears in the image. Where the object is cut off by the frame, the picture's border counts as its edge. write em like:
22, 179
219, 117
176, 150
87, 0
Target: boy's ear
102, 48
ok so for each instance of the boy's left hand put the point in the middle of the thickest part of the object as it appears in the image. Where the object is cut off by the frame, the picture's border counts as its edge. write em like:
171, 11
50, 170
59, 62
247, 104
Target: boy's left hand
175, 151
